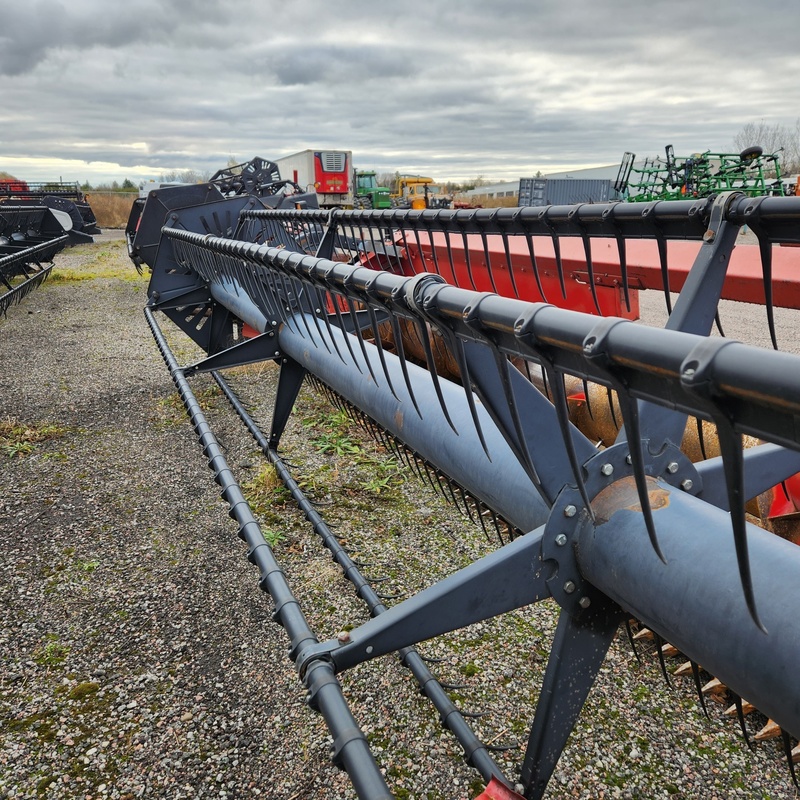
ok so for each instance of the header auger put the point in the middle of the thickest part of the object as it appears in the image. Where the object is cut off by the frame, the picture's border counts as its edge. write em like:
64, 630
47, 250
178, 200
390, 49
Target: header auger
442, 332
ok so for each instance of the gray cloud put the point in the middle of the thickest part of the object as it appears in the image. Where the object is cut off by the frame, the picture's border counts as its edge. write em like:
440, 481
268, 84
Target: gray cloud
454, 90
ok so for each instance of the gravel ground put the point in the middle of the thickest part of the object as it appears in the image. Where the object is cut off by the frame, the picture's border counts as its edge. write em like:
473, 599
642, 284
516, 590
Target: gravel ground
140, 659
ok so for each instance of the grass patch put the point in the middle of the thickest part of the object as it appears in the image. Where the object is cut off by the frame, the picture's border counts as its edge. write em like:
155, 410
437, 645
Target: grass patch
51, 653
106, 261
18, 438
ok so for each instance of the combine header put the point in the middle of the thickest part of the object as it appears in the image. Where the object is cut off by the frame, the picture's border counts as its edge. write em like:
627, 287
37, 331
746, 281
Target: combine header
454, 337
30, 236
58, 195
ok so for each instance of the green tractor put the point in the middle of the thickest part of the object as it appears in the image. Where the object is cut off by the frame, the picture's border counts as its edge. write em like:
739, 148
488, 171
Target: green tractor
368, 194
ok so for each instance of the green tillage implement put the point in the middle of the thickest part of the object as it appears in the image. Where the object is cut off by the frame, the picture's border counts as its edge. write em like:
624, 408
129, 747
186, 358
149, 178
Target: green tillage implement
699, 175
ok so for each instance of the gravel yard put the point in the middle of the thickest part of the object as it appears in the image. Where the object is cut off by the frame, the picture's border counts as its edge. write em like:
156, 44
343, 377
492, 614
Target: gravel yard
139, 655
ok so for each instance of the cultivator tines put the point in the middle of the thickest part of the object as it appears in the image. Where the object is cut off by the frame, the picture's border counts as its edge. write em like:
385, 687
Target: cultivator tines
751, 172
29, 238
431, 328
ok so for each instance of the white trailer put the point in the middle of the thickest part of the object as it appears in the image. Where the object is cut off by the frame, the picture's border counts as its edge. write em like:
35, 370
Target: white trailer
328, 172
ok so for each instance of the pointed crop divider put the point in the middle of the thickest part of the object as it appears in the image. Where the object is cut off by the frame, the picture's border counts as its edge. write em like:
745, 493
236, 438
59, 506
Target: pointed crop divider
595, 349
697, 377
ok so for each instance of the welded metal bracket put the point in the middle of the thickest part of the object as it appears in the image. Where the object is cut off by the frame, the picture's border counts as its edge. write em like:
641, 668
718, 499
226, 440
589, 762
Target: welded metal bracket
569, 515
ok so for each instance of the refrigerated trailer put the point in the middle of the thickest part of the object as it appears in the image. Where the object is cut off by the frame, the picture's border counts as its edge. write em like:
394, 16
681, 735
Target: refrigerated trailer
329, 172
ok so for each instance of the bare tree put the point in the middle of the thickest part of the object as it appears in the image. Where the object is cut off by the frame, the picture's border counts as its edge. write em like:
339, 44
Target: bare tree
773, 139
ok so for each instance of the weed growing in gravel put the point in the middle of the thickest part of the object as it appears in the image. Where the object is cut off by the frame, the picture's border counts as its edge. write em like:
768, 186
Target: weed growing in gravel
106, 262
171, 409
51, 653
19, 438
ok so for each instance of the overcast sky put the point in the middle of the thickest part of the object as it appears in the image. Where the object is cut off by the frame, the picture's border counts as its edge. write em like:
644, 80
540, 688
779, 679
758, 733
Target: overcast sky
99, 90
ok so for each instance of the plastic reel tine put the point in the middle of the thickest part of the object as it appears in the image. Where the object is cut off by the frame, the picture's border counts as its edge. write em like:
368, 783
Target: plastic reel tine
426, 345
379, 345
496, 526
730, 445
502, 748
560, 263
509, 265
337, 311
427, 467
401, 354
473, 714
765, 247
433, 477
588, 400
461, 360
479, 507
444, 484
701, 437
460, 504
699, 687
659, 642
488, 258
787, 749
419, 247
450, 256
661, 244
468, 260
718, 323
630, 419
435, 255
561, 406
413, 461
610, 396
324, 298
632, 643
358, 334
587, 251
390, 596
535, 267
503, 369
737, 701
319, 311
453, 497
623, 268
404, 455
